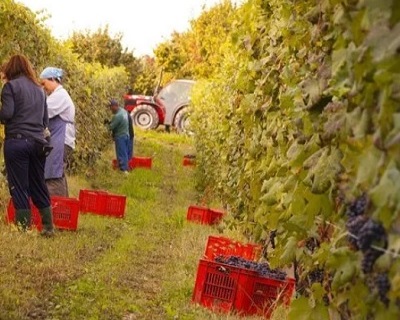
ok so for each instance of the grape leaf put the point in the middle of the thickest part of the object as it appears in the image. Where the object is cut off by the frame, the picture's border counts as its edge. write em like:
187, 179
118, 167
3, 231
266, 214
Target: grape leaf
300, 309
384, 41
387, 192
368, 166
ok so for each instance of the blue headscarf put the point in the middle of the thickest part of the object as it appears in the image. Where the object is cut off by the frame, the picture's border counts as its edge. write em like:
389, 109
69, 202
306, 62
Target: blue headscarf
52, 73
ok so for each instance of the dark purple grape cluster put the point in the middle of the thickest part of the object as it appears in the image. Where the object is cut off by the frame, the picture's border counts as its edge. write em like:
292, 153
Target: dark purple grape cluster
368, 236
263, 269
357, 207
316, 275
364, 233
382, 285
354, 225
311, 244
371, 232
369, 258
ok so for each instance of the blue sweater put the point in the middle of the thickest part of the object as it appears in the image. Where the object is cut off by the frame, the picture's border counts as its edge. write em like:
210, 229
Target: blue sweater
23, 108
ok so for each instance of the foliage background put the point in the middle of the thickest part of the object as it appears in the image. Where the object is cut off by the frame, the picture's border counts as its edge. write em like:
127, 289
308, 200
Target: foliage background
90, 85
302, 118
296, 114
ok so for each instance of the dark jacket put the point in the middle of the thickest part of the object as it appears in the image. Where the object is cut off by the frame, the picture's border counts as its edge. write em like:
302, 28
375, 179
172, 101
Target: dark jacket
119, 124
130, 127
23, 108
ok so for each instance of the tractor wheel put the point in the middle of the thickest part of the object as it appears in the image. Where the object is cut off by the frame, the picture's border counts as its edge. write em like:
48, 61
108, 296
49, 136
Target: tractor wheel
145, 117
181, 122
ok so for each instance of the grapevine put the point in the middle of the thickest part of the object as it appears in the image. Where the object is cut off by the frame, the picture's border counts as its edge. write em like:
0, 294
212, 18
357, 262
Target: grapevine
306, 109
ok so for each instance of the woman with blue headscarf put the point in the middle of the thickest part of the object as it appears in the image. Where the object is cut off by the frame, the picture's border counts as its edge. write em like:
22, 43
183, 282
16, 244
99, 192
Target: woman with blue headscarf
61, 111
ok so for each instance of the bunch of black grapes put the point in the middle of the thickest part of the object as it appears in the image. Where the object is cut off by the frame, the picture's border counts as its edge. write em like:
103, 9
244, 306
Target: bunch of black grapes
316, 275
263, 269
382, 285
367, 235
355, 213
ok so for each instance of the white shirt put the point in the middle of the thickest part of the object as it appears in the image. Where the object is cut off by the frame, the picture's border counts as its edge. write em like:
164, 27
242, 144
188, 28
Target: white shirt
59, 103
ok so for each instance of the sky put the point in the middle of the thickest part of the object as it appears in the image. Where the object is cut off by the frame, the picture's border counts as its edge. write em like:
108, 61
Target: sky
143, 23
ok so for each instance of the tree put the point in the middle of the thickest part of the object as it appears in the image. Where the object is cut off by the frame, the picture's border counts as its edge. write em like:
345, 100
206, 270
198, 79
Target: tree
101, 47
197, 52
147, 77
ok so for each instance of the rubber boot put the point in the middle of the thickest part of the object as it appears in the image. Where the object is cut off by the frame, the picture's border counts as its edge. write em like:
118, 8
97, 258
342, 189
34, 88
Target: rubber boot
47, 222
23, 219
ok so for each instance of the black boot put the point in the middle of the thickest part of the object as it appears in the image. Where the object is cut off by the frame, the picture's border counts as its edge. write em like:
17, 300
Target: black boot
23, 219
47, 222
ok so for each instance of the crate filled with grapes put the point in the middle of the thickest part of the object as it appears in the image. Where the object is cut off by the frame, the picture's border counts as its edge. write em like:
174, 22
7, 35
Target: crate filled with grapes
218, 246
234, 284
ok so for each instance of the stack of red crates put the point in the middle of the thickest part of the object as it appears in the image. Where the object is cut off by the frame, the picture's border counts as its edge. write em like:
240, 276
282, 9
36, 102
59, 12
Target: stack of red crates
203, 215
102, 203
65, 213
225, 288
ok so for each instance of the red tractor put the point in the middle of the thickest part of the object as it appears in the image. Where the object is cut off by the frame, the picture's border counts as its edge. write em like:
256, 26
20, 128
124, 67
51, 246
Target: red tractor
167, 107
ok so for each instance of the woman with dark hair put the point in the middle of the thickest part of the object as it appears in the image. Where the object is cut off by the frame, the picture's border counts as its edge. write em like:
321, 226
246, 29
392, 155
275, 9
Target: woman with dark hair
24, 113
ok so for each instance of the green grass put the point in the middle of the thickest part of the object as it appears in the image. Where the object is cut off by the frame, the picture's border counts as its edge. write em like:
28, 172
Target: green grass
139, 267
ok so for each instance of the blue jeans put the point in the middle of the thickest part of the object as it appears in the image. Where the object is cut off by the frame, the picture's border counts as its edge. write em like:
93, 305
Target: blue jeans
25, 174
130, 148
121, 150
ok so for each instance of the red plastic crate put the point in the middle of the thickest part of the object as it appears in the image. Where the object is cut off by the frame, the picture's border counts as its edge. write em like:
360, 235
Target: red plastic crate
115, 205
135, 162
217, 246
215, 215
93, 201
204, 215
102, 203
188, 161
65, 213
224, 288
36, 221
140, 162
197, 214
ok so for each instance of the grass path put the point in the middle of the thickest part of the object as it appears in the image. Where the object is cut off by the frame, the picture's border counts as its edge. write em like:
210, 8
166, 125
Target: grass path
128, 277
139, 267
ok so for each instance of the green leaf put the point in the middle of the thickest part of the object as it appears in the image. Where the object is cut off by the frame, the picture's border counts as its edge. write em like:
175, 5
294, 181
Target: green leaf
384, 40
386, 194
289, 253
343, 274
273, 194
312, 88
300, 309
322, 174
312, 161
318, 291
297, 205
296, 154
338, 60
368, 167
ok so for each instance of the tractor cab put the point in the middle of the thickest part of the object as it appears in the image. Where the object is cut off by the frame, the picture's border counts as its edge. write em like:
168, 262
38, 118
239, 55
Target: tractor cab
167, 107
